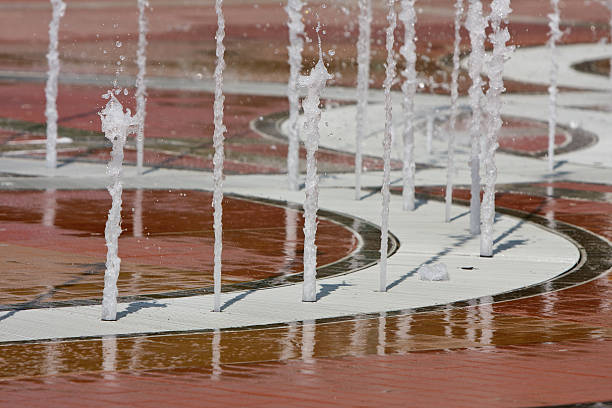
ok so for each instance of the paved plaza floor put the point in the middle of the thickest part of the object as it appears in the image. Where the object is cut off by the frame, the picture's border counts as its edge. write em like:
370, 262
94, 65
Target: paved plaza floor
529, 327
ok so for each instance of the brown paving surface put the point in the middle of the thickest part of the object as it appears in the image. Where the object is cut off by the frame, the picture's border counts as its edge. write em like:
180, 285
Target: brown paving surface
598, 67
52, 243
181, 44
182, 36
554, 348
500, 377
184, 143
180, 143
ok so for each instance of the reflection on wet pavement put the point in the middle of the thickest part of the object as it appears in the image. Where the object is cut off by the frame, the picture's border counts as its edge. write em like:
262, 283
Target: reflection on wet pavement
580, 313
53, 246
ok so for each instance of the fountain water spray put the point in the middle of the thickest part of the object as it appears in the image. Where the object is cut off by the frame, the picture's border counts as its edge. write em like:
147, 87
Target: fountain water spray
296, 45
450, 168
430, 122
555, 35
408, 51
476, 25
218, 138
363, 77
387, 139
500, 9
59, 8
141, 89
116, 125
315, 82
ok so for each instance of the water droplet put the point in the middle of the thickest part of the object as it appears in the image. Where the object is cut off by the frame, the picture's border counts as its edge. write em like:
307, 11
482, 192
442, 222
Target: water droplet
118, 44
125, 91
331, 53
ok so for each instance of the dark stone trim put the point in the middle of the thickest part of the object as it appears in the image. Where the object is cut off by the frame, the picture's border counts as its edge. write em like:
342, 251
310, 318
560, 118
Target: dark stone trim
606, 404
594, 262
365, 256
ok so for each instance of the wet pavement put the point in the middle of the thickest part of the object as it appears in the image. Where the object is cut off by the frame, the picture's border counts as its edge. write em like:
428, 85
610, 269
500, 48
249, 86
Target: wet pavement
57, 235
546, 345
546, 340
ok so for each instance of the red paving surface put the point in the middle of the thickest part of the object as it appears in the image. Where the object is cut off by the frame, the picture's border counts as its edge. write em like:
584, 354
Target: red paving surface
532, 375
49, 238
554, 348
550, 349
180, 44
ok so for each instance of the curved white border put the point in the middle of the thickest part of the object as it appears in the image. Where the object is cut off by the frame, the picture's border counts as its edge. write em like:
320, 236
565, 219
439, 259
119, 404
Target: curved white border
527, 255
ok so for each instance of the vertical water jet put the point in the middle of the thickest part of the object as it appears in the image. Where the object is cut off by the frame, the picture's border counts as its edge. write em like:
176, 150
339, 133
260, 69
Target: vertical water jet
431, 118
116, 125
363, 77
500, 10
409, 86
59, 8
476, 24
296, 46
218, 141
387, 139
555, 35
450, 168
315, 82
141, 88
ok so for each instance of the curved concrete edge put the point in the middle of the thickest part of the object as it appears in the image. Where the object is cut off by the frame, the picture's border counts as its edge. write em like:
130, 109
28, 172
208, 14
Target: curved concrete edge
525, 255
526, 65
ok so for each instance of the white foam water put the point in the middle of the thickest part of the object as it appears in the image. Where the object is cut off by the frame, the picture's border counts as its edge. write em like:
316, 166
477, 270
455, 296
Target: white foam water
59, 8
450, 168
476, 24
218, 158
314, 83
116, 125
555, 35
296, 46
435, 272
408, 18
500, 10
141, 89
363, 78
429, 130
387, 140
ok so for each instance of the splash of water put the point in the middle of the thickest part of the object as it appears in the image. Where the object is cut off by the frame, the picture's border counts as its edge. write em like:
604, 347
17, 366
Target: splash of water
218, 139
450, 168
555, 35
409, 87
59, 8
141, 89
116, 125
315, 83
387, 139
296, 46
500, 10
476, 25
363, 77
